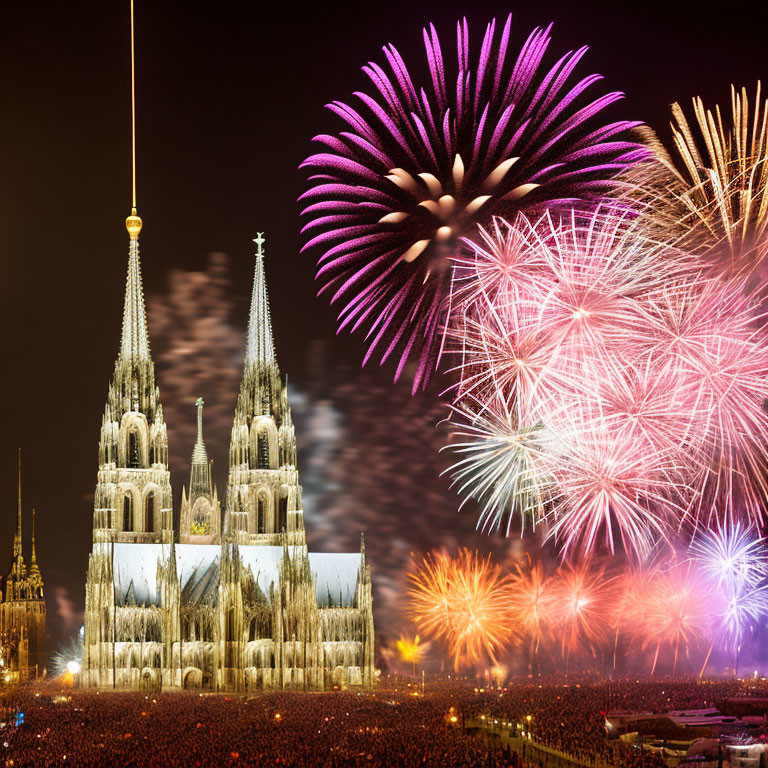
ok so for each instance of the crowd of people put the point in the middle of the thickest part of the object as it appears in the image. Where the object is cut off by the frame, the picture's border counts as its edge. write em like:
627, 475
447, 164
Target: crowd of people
396, 726
569, 716
333, 730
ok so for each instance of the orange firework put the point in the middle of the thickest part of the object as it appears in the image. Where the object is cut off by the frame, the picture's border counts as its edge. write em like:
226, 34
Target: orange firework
582, 594
532, 604
464, 602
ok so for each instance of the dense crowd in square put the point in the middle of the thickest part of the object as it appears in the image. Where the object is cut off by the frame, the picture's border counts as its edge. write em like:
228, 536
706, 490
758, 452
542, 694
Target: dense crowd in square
396, 726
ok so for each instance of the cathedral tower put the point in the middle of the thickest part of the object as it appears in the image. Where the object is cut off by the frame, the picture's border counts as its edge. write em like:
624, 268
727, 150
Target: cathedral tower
133, 493
263, 492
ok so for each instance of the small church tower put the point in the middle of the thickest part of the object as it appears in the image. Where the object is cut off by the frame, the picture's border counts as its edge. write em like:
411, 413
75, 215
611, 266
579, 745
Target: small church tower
200, 509
22, 609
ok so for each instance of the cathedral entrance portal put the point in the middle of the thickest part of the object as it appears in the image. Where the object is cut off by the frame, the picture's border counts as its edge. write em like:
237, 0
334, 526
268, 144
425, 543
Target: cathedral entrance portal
193, 678
149, 680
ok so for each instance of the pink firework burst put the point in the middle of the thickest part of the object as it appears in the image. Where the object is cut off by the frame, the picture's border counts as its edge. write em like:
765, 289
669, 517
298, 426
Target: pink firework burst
646, 386
611, 486
710, 333
679, 611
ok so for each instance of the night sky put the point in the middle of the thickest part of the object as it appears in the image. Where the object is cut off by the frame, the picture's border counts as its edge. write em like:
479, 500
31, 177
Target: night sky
229, 96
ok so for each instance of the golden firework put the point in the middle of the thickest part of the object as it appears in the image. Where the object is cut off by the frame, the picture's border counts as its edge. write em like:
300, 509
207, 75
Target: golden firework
463, 602
710, 194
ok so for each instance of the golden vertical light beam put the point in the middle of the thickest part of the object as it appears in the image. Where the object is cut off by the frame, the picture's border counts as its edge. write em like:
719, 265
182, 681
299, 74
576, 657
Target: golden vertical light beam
133, 222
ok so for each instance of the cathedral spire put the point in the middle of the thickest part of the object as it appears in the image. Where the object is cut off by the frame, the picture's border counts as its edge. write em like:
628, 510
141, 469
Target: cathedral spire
33, 555
261, 348
199, 455
134, 345
35, 577
200, 480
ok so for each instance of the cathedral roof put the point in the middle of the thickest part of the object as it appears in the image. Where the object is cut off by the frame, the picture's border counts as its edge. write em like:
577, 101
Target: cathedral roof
197, 565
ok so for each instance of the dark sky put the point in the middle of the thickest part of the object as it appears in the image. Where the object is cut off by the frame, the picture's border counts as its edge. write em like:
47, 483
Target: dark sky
229, 95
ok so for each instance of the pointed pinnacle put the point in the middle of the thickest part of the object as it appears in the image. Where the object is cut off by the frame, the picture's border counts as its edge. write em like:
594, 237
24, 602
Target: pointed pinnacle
261, 348
134, 344
33, 558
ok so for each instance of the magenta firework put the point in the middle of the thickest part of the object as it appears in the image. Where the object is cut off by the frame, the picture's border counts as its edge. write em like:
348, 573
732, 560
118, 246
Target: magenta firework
417, 166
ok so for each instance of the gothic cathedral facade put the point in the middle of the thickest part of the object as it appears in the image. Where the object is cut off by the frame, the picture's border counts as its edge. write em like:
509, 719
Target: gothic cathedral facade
237, 604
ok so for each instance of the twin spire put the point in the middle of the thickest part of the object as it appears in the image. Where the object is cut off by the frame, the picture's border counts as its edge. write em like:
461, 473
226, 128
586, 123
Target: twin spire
19, 570
261, 347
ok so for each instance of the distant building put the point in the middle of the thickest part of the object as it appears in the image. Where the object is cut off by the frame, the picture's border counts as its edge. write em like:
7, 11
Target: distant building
22, 611
239, 605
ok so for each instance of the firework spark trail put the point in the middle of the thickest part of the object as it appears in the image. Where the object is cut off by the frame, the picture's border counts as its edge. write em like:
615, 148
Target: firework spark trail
731, 557
710, 333
463, 602
418, 167
674, 606
634, 587
502, 464
734, 561
411, 650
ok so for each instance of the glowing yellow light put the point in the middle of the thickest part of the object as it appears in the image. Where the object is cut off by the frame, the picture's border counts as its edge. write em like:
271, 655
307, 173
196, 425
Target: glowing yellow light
528, 718
454, 718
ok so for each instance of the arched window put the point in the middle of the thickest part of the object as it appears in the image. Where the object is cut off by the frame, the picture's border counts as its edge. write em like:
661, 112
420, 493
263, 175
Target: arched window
282, 513
149, 513
127, 512
261, 514
134, 460
262, 443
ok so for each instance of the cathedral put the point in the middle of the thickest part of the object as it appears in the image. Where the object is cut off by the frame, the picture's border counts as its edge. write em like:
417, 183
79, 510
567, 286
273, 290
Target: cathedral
238, 604
22, 611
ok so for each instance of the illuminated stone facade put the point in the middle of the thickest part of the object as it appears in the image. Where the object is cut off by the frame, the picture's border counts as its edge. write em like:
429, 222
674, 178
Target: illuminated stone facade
235, 605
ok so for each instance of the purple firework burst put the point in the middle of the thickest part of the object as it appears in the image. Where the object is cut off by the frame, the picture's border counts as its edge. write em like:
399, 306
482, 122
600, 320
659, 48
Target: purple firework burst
419, 167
